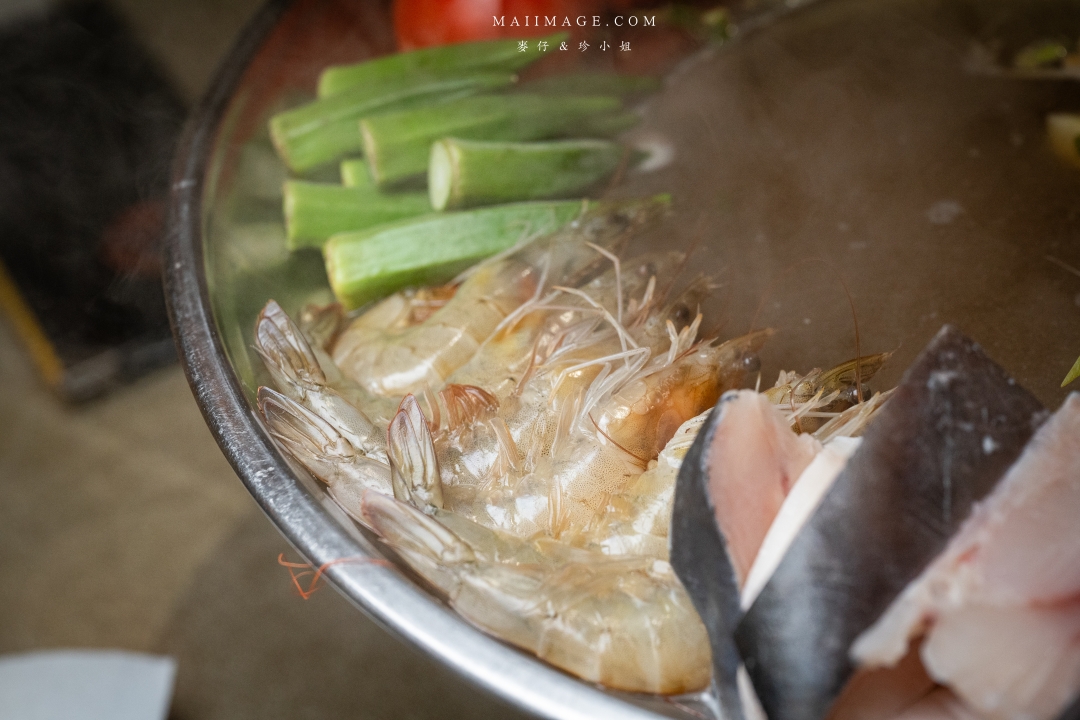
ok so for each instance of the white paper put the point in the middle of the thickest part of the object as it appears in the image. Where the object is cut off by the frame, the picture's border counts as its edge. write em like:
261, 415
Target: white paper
85, 685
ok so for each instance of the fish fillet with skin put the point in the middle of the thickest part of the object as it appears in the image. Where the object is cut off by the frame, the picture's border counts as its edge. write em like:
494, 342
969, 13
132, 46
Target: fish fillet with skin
754, 461
999, 609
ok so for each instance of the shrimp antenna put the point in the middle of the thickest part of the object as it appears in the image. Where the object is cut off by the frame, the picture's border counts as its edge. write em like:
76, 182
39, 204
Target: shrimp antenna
620, 170
723, 304
847, 291
698, 238
613, 441
618, 277
772, 286
858, 349
1063, 265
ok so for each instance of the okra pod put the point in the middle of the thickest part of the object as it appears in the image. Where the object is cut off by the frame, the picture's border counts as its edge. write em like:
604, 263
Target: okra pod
397, 145
354, 173
365, 265
325, 130
315, 211
437, 63
607, 125
466, 173
593, 83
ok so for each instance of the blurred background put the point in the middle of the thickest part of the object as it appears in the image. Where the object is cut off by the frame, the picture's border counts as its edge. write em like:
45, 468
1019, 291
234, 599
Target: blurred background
121, 524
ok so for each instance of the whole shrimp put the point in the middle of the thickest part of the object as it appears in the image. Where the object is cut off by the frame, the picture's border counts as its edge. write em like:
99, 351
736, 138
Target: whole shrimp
636, 521
392, 361
505, 463
818, 395
623, 622
514, 366
624, 422
559, 488
541, 325
644, 413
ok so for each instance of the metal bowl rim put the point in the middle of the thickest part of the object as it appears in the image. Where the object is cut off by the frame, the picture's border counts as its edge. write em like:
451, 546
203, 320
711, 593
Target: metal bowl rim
381, 592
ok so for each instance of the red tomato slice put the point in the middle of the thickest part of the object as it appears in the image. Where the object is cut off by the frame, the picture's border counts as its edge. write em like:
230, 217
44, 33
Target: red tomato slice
423, 23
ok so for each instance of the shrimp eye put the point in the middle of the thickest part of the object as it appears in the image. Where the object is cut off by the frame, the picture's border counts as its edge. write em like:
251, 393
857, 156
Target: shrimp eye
851, 394
680, 315
751, 363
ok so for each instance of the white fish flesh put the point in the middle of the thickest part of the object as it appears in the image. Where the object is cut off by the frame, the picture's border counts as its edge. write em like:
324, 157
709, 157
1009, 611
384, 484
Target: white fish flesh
999, 610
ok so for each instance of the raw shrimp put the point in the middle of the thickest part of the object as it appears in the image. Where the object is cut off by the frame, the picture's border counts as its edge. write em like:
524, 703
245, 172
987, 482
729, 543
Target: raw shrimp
853, 421
561, 442
524, 494
391, 362
507, 458
643, 414
628, 414
637, 520
297, 372
515, 365
813, 398
541, 325
793, 388
622, 622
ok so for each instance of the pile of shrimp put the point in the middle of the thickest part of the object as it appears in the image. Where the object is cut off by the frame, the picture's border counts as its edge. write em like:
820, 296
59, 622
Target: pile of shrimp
515, 437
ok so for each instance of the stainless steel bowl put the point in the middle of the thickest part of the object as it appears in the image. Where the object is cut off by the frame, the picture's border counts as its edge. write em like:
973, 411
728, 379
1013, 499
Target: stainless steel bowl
218, 274
847, 140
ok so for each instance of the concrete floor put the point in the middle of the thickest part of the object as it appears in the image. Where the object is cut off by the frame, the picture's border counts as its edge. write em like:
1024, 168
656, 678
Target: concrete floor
122, 525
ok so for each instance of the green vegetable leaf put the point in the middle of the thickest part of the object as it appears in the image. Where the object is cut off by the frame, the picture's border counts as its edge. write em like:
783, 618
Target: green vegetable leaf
1073, 374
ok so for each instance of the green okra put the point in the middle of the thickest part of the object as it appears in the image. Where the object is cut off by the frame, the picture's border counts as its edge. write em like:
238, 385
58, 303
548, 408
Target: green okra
467, 173
325, 130
315, 211
397, 145
607, 125
431, 64
1040, 54
593, 83
368, 264
354, 173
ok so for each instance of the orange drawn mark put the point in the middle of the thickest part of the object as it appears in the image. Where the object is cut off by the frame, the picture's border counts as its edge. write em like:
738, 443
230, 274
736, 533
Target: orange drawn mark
317, 573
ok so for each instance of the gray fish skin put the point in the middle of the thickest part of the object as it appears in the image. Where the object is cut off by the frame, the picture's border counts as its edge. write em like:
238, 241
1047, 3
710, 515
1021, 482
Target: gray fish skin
1072, 712
700, 558
954, 426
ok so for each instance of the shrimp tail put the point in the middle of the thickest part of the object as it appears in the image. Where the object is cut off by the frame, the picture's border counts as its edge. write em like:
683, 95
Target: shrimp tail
407, 529
414, 464
320, 446
295, 368
301, 432
287, 355
465, 404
